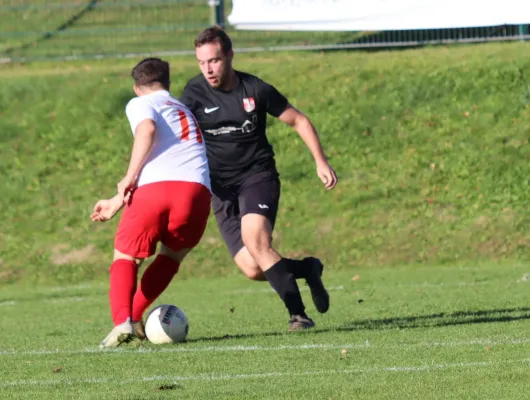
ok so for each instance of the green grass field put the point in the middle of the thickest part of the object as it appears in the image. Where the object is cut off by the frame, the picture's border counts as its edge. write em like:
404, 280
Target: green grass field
440, 333
425, 239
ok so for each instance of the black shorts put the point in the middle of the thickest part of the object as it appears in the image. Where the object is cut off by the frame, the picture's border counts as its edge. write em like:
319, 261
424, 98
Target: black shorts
252, 197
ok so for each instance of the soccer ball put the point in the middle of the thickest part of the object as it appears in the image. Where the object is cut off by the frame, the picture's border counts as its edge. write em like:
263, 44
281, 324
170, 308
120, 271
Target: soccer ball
166, 324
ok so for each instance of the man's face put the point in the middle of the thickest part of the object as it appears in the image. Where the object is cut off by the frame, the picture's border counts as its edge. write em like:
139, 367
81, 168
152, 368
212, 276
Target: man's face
215, 66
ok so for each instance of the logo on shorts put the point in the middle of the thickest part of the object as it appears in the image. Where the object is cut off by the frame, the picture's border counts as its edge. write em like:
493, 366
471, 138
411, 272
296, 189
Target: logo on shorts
249, 104
263, 206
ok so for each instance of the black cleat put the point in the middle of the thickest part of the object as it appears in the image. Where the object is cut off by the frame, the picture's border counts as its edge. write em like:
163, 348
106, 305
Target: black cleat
314, 281
300, 323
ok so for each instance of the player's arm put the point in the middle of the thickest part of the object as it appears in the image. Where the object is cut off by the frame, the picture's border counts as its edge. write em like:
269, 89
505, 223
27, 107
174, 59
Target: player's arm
278, 106
142, 118
143, 143
307, 131
104, 210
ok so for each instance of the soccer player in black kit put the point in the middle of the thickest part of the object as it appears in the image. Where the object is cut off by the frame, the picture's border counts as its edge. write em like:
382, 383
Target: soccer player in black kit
231, 108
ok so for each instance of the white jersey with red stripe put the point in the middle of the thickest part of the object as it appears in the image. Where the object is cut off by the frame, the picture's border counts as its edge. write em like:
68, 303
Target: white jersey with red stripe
178, 152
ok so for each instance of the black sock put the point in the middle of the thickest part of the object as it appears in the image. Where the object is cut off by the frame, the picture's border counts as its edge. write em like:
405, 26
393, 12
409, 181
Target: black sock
284, 283
299, 268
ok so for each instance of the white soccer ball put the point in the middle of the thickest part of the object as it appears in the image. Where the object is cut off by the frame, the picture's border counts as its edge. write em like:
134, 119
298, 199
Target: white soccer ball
166, 324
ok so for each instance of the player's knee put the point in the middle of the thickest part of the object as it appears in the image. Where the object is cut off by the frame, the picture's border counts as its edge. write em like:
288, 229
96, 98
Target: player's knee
255, 275
248, 265
251, 270
177, 256
118, 255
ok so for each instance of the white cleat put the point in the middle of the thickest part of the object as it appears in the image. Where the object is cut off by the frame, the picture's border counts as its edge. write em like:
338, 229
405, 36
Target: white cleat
122, 333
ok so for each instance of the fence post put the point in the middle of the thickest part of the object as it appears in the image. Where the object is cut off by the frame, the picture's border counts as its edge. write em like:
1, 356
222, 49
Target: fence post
523, 31
217, 12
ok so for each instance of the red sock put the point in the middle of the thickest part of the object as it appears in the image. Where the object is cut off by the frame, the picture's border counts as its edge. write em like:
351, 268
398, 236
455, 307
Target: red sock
123, 276
155, 280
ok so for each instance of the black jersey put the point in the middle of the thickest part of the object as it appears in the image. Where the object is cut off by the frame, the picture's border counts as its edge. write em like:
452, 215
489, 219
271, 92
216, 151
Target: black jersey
233, 125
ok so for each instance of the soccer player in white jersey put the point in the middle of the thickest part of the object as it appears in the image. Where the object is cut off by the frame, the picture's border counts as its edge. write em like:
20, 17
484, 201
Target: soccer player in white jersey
166, 198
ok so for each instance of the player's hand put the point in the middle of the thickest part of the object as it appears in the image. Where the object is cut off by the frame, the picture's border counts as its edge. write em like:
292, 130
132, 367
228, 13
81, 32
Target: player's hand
327, 175
125, 186
105, 209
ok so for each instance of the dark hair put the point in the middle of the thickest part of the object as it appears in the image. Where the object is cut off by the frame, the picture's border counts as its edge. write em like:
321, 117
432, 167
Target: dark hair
214, 34
150, 71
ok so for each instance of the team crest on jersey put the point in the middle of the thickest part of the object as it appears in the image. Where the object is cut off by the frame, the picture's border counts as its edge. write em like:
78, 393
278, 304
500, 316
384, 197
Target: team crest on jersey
249, 104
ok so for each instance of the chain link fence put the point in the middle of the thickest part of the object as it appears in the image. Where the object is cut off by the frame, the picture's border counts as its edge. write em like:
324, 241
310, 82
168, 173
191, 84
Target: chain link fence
70, 29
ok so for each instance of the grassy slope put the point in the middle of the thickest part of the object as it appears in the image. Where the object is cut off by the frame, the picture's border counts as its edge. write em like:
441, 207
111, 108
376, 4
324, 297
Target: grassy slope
431, 146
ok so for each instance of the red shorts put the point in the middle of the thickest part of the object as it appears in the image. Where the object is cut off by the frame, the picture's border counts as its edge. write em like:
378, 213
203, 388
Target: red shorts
172, 212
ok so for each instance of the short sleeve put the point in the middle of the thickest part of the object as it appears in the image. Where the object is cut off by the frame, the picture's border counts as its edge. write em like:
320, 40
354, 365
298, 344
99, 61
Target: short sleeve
275, 102
139, 110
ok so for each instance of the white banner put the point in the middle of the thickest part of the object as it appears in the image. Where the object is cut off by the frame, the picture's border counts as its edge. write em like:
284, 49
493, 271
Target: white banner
375, 15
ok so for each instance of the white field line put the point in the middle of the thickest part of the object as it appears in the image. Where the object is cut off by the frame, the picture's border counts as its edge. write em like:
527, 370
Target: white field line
365, 285
65, 299
246, 348
145, 350
471, 342
440, 284
369, 286
90, 286
268, 290
75, 287
71, 299
276, 374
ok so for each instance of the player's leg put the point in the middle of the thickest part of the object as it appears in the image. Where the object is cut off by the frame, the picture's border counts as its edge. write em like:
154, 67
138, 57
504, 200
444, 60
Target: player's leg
256, 232
261, 200
226, 211
156, 278
123, 277
186, 221
309, 268
136, 238
247, 264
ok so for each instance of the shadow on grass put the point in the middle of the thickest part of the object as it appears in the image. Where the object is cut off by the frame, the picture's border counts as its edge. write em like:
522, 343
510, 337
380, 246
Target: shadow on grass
420, 321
